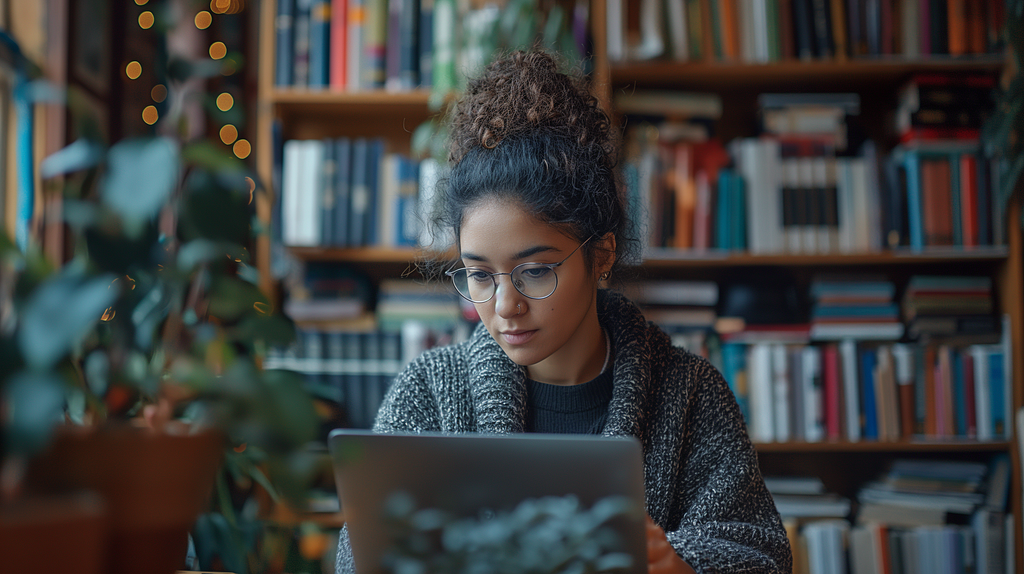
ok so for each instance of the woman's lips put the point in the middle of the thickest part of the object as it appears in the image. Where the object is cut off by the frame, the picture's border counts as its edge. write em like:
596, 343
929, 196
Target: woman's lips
517, 337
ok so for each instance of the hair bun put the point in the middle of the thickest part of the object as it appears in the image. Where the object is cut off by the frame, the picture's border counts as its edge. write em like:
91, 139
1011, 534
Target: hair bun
524, 92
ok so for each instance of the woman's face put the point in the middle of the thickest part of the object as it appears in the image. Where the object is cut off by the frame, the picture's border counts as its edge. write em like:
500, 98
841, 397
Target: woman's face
554, 337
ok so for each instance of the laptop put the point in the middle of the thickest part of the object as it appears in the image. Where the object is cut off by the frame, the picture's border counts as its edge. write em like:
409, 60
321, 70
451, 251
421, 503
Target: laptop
389, 482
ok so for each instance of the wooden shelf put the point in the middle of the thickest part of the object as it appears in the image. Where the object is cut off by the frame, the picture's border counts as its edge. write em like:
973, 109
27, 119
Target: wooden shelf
815, 74
313, 114
937, 446
363, 254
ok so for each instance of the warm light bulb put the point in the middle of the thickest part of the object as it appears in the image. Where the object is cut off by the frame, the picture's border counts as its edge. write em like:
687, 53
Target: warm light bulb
159, 93
203, 20
225, 101
218, 50
228, 134
141, 2
146, 20
220, 6
242, 149
150, 115
133, 70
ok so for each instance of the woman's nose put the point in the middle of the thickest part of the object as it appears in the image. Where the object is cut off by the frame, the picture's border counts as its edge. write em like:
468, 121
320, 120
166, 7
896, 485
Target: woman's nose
507, 299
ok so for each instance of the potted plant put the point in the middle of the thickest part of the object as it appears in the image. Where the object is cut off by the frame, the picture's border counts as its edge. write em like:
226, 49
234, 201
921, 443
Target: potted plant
146, 343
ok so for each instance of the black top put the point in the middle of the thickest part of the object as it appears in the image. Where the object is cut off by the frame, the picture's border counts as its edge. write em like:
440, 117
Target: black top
569, 409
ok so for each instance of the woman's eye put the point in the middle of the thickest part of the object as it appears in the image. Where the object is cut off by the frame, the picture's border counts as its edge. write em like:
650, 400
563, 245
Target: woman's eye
535, 272
478, 276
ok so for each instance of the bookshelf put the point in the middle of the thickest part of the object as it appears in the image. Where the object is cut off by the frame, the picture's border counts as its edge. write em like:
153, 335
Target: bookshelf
843, 466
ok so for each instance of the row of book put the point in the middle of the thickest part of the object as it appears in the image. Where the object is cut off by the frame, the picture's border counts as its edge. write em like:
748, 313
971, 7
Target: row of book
361, 44
926, 194
400, 45
354, 369
853, 391
773, 30
920, 516
351, 192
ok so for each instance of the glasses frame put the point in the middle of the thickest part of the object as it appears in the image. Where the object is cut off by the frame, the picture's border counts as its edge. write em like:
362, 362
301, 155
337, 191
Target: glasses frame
552, 266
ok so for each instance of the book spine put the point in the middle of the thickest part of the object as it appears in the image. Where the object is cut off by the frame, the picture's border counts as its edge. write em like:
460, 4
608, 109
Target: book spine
284, 26
375, 33
338, 45
319, 43
328, 177
342, 189
301, 36
869, 402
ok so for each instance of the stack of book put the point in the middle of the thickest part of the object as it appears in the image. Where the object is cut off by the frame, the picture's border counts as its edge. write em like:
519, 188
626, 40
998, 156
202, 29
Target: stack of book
672, 167
801, 498
935, 516
402, 301
328, 296
676, 306
856, 307
759, 31
950, 306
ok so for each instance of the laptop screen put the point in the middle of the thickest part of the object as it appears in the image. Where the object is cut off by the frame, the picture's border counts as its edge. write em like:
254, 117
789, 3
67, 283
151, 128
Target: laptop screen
440, 500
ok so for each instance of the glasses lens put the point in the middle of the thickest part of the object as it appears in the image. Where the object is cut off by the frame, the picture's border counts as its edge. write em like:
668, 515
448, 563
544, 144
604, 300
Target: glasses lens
535, 281
474, 285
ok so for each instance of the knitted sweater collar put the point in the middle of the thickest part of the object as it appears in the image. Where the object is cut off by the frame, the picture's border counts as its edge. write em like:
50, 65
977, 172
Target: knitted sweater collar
498, 388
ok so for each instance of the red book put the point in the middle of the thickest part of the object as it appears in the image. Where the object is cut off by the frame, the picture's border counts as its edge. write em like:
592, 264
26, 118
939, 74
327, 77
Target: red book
956, 17
786, 30
969, 199
830, 382
339, 40
936, 196
976, 37
929, 392
939, 133
967, 360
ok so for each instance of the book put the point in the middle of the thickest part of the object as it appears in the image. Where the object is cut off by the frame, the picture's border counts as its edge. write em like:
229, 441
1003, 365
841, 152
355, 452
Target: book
319, 43
338, 58
284, 26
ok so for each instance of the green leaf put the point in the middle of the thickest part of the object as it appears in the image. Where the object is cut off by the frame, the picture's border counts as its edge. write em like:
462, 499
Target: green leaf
231, 297
34, 404
80, 154
140, 177
61, 312
215, 206
270, 330
212, 157
149, 313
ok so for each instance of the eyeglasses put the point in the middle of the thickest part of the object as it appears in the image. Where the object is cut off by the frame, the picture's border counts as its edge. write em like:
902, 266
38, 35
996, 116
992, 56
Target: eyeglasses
533, 280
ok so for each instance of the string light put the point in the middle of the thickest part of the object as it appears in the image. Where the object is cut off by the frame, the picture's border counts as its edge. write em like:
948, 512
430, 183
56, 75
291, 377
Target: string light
218, 50
133, 70
242, 149
108, 314
150, 115
141, 2
203, 20
146, 20
159, 93
220, 6
225, 102
228, 134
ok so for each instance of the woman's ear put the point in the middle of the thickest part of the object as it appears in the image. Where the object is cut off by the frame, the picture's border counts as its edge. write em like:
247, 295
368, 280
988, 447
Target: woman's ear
606, 255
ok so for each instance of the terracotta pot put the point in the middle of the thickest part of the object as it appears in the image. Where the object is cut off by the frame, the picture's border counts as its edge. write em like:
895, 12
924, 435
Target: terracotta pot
40, 534
153, 485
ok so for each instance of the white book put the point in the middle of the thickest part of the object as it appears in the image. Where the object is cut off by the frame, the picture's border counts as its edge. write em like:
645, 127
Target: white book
863, 559
652, 41
760, 29
862, 226
354, 48
910, 30
851, 388
291, 171
616, 33
310, 193
982, 390
845, 205
814, 411
678, 34
387, 194
780, 392
761, 172
745, 18
759, 377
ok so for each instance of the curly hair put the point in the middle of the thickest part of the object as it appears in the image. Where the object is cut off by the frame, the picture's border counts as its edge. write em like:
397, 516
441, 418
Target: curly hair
527, 132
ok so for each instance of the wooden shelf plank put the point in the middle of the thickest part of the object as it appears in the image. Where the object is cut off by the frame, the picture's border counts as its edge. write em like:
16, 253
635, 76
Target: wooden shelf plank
725, 75
882, 447
661, 258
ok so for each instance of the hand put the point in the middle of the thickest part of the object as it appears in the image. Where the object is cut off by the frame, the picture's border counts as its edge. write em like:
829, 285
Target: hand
661, 557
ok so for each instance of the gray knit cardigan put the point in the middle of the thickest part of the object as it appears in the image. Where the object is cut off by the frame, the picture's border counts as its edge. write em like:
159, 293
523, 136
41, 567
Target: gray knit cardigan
702, 481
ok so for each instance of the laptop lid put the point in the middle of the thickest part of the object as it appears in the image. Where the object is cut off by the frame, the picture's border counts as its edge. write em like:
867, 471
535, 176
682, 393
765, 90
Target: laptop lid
472, 477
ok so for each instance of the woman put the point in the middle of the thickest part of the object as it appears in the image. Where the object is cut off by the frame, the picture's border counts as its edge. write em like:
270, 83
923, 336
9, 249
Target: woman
539, 222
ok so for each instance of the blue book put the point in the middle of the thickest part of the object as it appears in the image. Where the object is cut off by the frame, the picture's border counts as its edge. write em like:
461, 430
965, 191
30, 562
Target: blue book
997, 390
284, 25
425, 51
724, 209
301, 39
374, 157
912, 166
887, 310
734, 359
360, 193
867, 388
342, 190
409, 47
407, 210
319, 43
327, 194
